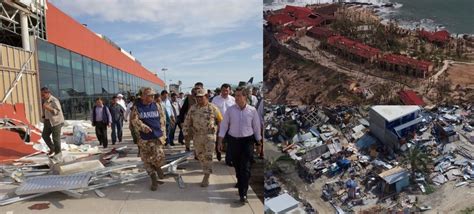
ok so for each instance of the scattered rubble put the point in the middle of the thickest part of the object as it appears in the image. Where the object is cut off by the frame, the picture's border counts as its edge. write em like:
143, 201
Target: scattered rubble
79, 168
364, 173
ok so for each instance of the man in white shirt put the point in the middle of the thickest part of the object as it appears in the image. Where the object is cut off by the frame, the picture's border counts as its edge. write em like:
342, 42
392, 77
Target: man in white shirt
254, 97
181, 99
176, 107
169, 109
121, 101
223, 102
242, 125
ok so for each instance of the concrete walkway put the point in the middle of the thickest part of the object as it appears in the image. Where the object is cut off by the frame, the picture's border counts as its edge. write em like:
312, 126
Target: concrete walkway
219, 197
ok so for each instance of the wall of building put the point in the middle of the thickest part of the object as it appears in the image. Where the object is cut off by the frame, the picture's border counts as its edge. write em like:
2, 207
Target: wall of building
78, 80
402, 184
379, 130
79, 66
67, 33
27, 90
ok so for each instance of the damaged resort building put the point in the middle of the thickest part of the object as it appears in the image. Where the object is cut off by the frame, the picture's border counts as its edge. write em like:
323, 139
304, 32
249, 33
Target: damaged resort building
330, 25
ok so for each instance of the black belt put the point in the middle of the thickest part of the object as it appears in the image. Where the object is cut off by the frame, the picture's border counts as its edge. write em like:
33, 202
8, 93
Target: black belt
248, 138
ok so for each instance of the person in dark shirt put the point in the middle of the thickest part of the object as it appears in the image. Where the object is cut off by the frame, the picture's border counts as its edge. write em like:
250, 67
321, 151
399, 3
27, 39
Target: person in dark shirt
117, 112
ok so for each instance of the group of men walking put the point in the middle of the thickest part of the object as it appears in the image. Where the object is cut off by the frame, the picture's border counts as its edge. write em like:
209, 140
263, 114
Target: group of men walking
154, 119
103, 116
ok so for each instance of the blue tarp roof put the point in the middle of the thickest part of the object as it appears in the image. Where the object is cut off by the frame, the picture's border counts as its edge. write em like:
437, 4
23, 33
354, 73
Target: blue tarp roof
365, 142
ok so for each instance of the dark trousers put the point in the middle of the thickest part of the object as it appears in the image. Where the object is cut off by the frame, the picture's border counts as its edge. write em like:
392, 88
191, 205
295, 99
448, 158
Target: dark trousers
242, 151
117, 131
181, 135
228, 150
171, 132
101, 133
48, 130
135, 135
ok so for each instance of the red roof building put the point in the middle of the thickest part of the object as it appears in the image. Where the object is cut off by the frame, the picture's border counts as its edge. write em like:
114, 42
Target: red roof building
418, 65
320, 32
354, 47
304, 15
436, 37
409, 97
280, 19
299, 19
298, 12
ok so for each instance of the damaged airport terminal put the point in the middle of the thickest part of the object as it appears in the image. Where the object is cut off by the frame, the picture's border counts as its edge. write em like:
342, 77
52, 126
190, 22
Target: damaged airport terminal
373, 158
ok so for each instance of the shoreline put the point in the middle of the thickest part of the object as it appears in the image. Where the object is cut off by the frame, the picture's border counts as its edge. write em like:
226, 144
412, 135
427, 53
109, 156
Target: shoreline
382, 10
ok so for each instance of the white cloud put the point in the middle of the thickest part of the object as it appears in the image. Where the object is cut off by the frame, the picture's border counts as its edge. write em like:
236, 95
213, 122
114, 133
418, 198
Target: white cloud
217, 52
193, 53
182, 17
258, 56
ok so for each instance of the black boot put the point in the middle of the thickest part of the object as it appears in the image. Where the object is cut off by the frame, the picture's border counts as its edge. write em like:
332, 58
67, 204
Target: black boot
205, 180
154, 182
160, 173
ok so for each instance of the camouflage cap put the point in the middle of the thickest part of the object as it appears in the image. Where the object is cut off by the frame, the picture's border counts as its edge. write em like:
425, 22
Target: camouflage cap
152, 91
201, 92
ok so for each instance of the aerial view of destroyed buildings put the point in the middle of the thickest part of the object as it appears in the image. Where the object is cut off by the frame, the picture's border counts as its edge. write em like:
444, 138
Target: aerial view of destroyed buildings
365, 116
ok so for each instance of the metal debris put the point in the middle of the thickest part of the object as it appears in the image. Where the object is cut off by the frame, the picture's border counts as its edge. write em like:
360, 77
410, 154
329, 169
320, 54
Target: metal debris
51, 183
337, 142
99, 193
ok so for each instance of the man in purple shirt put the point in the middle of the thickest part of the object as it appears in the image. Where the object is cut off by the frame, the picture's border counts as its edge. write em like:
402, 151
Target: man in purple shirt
242, 123
100, 119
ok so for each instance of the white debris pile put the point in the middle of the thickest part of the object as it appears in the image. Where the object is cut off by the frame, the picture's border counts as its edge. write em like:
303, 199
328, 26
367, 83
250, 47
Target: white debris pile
76, 170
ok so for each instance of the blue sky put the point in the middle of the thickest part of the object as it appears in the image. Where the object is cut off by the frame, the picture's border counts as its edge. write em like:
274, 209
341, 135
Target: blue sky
212, 41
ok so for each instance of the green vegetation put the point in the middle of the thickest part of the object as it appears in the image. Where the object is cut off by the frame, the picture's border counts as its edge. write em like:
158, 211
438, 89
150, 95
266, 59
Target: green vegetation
289, 129
345, 27
386, 38
429, 189
418, 161
469, 210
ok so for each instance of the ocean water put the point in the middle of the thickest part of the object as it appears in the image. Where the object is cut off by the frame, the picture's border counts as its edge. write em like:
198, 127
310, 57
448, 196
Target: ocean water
456, 16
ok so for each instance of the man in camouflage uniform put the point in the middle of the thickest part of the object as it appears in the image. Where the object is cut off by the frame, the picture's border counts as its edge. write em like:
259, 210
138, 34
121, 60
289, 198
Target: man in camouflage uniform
149, 120
189, 101
202, 121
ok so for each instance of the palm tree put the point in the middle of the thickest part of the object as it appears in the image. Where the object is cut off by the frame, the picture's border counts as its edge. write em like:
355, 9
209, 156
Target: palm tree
418, 161
290, 129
